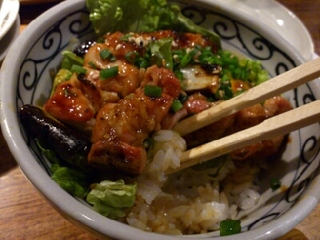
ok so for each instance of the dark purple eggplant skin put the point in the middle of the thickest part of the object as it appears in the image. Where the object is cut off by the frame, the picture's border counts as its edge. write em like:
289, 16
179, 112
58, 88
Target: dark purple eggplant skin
83, 48
67, 143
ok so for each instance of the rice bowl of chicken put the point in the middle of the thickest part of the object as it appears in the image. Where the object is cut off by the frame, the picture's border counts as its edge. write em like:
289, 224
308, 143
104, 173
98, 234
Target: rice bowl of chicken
193, 202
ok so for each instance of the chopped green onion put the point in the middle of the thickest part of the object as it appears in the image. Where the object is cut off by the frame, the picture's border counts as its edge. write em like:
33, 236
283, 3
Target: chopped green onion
100, 40
176, 105
225, 78
275, 184
72, 56
66, 63
239, 92
183, 97
185, 60
69, 59
152, 91
142, 63
240, 73
112, 58
147, 143
161, 54
211, 99
179, 74
188, 57
105, 54
131, 56
109, 72
126, 37
230, 227
225, 92
92, 65
177, 55
78, 69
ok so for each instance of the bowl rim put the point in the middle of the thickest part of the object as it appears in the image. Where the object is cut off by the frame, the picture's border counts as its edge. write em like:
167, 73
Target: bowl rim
74, 210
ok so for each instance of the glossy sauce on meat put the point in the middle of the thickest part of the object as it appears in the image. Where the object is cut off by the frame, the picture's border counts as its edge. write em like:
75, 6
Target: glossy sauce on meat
122, 127
117, 110
241, 120
120, 117
69, 104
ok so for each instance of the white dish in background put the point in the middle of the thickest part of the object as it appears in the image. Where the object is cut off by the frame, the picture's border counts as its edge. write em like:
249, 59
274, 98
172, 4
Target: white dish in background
280, 19
9, 13
8, 39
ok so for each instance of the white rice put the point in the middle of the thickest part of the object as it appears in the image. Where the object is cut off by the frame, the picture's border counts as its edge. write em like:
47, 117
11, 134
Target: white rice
189, 201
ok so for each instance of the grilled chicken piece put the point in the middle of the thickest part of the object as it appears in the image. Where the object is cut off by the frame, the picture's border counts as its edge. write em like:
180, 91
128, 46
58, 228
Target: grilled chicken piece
121, 128
241, 120
119, 44
127, 80
252, 116
195, 104
70, 103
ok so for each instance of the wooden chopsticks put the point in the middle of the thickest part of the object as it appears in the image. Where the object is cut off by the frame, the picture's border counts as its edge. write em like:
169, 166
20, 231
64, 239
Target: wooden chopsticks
268, 129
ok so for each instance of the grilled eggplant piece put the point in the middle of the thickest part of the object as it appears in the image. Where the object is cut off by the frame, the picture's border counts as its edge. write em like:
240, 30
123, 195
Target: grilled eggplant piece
201, 78
68, 144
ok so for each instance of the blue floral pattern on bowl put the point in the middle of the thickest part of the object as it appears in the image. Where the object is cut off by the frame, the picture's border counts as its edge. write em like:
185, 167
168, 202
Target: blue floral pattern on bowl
301, 156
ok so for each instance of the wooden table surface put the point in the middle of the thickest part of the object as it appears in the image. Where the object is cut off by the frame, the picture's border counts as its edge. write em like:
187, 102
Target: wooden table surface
24, 214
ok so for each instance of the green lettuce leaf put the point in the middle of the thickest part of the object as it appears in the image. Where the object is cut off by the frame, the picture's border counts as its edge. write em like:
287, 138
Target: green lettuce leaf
141, 16
69, 59
74, 181
49, 154
111, 198
71, 180
61, 76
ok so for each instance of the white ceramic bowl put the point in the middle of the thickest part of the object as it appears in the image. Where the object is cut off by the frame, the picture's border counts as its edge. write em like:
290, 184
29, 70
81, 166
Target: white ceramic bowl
25, 77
